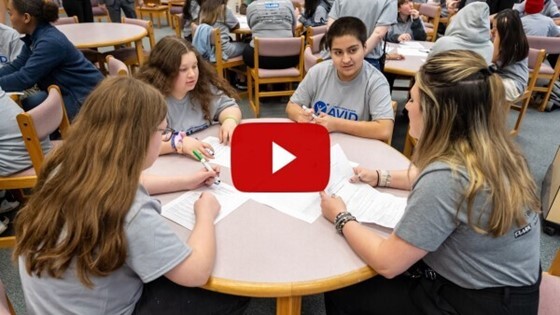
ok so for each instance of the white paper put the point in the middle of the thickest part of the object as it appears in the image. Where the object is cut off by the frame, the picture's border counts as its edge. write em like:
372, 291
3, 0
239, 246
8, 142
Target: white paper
222, 153
412, 44
369, 205
366, 203
181, 209
412, 51
306, 206
242, 21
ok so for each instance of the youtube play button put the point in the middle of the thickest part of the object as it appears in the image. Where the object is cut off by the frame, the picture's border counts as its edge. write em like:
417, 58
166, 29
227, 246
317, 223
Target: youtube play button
280, 157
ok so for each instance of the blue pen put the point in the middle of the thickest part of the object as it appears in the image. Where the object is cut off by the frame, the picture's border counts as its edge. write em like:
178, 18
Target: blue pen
202, 160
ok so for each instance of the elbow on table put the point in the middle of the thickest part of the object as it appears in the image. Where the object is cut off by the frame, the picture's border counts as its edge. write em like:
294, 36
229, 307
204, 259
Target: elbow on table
385, 133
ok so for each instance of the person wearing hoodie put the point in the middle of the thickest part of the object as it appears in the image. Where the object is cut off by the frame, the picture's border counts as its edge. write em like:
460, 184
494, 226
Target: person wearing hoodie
470, 30
550, 9
537, 24
409, 24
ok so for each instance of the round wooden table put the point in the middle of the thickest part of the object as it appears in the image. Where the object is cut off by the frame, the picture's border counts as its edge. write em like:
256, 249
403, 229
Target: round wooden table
262, 252
410, 65
93, 35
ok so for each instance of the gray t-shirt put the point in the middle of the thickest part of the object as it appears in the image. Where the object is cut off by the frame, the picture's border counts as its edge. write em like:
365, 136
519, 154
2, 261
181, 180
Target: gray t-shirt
517, 72
226, 25
539, 25
13, 154
187, 115
463, 256
271, 18
372, 13
365, 98
10, 44
153, 250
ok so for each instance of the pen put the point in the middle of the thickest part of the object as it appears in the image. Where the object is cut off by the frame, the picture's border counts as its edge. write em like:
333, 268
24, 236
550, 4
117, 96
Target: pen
202, 160
307, 109
210, 151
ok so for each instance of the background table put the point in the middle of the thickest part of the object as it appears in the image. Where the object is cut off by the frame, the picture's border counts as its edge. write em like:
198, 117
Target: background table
93, 35
410, 65
262, 252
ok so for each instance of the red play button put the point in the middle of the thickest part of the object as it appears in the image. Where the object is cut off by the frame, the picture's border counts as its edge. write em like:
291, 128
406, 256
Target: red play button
280, 157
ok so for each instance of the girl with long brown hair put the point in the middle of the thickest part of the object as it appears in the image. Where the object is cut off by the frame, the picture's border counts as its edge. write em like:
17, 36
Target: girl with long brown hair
196, 97
90, 239
468, 242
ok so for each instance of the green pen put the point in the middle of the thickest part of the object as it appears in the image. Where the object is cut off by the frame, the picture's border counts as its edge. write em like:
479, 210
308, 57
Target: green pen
202, 160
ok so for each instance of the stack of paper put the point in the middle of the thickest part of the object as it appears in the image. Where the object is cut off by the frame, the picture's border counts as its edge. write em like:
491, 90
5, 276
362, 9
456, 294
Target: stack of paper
362, 200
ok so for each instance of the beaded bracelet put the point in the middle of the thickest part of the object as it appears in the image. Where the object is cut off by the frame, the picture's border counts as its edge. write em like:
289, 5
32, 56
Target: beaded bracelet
385, 179
341, 222
340, 215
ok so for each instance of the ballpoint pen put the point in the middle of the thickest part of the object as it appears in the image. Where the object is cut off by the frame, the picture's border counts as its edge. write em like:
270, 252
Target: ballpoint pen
202, 160
308, 109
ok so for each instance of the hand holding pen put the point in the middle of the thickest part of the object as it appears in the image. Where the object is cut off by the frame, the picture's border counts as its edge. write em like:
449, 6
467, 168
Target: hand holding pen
308, 113
191, 144
206, 165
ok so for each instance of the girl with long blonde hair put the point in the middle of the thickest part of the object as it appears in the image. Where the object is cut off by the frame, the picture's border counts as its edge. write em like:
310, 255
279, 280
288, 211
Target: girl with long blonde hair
91, 238
468, 242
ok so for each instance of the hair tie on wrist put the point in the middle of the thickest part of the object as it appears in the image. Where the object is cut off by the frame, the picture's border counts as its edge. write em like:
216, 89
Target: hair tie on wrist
230, 117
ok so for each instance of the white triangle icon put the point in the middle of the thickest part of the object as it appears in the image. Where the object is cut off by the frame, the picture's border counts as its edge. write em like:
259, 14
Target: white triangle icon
280, 157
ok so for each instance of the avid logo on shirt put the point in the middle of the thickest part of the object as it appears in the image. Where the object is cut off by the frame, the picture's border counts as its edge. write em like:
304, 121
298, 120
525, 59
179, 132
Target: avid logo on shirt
335, 111
272, 5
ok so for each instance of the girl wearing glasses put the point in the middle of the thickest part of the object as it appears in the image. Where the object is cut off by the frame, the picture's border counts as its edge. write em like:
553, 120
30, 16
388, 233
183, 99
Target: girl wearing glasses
196, 97
91, 239
468, 242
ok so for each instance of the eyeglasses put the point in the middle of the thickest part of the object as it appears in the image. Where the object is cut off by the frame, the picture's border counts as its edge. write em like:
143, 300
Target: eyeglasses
166, 133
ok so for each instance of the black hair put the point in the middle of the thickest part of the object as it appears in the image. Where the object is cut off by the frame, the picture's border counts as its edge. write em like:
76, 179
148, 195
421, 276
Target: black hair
347, 25
514, 46
187, 14
310, 7
43, 11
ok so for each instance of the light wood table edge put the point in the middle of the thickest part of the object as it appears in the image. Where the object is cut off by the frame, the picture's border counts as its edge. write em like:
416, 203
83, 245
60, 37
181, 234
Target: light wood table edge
288, 295
399, 72
131, 39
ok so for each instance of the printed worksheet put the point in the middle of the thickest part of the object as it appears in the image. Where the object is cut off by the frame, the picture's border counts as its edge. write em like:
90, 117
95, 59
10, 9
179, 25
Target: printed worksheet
222, 153
366, 203
306, 206
181, 209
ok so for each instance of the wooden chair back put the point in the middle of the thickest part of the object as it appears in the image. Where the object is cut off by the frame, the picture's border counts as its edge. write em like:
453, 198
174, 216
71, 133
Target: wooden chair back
552, 47
38, 123
274, 47
535, 60
431, 13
